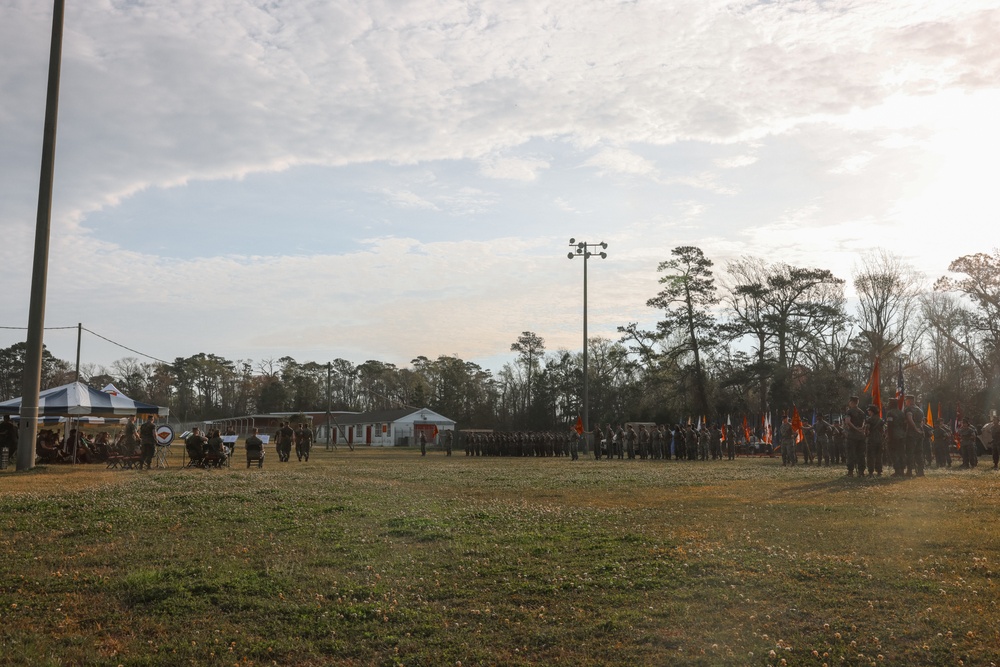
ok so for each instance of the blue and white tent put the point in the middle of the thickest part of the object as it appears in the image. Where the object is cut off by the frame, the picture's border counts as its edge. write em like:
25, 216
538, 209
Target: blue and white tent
77, 398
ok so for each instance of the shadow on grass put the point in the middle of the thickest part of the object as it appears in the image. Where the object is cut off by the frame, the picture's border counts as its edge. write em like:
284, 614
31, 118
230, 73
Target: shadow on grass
840, 484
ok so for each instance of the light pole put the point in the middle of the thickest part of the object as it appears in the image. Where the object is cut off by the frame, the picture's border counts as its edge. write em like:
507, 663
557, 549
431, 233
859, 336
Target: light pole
329, 405
583, 249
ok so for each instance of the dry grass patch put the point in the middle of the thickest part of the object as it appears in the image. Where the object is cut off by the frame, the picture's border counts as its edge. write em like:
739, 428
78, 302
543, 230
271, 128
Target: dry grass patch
57, 479
378, 557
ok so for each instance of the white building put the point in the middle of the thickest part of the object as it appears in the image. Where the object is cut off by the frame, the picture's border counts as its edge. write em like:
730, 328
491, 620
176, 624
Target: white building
391, 428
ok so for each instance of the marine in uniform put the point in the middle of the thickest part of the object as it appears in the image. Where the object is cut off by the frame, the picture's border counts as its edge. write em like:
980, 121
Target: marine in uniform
147, 442
967, 435
874, 437
854, 427
786, 438
823, 432
914, 438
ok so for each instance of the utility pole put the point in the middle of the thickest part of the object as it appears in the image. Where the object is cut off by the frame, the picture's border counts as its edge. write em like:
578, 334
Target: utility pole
32, 378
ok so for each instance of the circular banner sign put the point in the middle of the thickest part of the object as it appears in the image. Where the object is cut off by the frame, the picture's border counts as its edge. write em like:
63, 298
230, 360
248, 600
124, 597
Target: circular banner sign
164, 435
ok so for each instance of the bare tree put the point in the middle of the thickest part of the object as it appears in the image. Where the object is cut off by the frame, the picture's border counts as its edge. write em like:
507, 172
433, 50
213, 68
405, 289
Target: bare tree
887, 289
952, 344
980, 325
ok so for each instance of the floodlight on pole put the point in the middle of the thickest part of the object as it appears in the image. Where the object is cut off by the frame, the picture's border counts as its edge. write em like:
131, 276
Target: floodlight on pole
584, 250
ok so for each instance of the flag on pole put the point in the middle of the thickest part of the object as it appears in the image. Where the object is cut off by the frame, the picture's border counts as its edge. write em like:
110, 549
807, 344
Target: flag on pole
874, 382
746, 429
900, 386
958, 420
930, 421
797, 425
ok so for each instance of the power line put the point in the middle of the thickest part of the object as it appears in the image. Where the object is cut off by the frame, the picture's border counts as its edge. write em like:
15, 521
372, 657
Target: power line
46, 328
124, 347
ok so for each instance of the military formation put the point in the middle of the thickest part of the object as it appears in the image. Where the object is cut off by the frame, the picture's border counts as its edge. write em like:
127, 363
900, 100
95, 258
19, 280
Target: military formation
896, 440
611, 441
522, 443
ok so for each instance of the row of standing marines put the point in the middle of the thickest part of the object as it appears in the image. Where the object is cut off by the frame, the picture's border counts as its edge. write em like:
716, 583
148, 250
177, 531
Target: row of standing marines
895, 437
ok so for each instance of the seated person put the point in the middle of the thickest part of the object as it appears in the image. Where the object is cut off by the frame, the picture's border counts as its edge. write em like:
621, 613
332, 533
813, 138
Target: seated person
8, 435
215, 452
47, 449
195, 445
84, 450
255, 449
71, 443
101, 448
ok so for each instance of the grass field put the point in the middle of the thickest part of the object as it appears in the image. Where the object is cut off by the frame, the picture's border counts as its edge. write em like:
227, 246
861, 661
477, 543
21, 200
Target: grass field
386, 558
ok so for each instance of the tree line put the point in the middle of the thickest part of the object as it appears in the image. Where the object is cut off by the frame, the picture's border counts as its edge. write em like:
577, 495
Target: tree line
761, 337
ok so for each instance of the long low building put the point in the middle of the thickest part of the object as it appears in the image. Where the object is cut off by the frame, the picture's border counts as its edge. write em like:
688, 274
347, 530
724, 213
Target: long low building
380, 428
391, 428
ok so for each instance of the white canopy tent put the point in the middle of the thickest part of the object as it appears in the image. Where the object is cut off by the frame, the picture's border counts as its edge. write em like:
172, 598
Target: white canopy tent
82, 402
78, 399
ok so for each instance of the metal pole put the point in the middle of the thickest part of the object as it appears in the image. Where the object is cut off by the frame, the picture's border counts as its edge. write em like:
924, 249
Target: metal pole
32, 378
329, 434
79, 336
586, 379
583, 250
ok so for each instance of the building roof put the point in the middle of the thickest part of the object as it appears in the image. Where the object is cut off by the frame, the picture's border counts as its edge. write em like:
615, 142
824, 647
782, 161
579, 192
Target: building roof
379, 416
345, 418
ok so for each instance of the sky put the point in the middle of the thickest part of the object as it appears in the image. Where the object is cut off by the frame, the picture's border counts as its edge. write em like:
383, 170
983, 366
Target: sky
390, 179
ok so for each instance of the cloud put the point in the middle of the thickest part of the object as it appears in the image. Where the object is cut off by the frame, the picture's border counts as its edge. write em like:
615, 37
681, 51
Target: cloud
512, 168
464, 125
564, 205
853, 164
736, 161
621, 161
406, 199
158, 95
